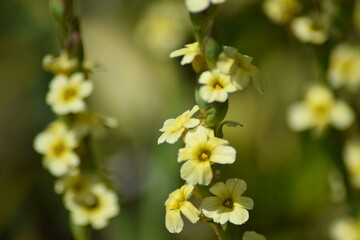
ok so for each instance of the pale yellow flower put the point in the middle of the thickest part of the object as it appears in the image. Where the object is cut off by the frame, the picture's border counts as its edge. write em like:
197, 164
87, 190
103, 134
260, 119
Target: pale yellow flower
318, 110
178, 203
281, 11
240, 69
62, 64
345, 229
215, 86
308, 30
344, 69
174, 127
251, 235
228, 203
352, 161
202, 149
190, 51
57, 144
93, 206
196, 6
66, 95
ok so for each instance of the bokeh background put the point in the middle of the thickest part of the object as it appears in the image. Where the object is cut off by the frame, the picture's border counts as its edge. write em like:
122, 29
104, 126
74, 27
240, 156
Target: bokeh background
138, 84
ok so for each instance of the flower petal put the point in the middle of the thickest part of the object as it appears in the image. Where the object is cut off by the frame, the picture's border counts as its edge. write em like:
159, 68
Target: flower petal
190, 212
173, 221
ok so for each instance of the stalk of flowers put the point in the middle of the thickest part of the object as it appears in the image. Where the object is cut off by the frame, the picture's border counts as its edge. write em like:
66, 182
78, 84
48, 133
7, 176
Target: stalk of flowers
66, 144
221, 70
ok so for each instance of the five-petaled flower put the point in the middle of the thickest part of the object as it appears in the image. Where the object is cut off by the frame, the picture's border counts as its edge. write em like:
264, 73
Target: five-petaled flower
57, 143
228, 204
202, 149
174, 127
67, 95
196, 6
178, 203
190, 51
318, 110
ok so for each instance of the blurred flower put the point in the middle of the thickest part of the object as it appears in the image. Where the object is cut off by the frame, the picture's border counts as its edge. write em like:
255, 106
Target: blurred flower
196, 6
216, 86
228, 205
202, 149
60, 65
66, 95
240, 69
308, 30
190, 51
177, 203
57, 143
345, 229
93, 206
318, 110
352, 161
174, 127
344, 67
251, 235
164, 26
281, 11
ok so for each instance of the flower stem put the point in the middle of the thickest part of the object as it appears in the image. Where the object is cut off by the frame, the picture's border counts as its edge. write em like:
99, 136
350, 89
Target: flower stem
218, 231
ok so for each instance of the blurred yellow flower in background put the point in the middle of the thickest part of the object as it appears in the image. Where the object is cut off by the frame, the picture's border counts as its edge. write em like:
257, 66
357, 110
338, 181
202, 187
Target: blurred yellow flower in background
352, 160
228, 204
344, 67
318, 110
57, 144
177, 203
196, 6
203, 149
66, 95
345, 229
309, 30
62, 64
281, 11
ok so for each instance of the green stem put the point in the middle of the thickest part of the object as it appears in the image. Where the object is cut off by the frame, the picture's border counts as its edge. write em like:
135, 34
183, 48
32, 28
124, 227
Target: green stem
218, 231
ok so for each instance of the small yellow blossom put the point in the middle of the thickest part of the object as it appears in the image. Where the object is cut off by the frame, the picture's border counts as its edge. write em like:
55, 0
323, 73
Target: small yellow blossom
352, 161
251, 235
174, 127
190, 51
62, 64
202, 149
308, 30
93, 206
281, 11
240, 68
228, 204
318, 110
196, 6
66, 95
215, 86
57, 143
345, 229
178, 203
344, 69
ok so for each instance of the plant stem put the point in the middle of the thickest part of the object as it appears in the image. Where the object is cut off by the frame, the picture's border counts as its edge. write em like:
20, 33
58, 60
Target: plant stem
218, 230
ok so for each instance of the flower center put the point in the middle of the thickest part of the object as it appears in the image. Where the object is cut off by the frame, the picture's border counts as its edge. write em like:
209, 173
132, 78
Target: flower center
59, 148
218, 86
228, 203
204, 156
87, 200
69, 94
321, 110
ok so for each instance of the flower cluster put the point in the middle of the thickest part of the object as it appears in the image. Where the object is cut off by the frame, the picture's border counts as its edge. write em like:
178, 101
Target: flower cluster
64, 142
200, 129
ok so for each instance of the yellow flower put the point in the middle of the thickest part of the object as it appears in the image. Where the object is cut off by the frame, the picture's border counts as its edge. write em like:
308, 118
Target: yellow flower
308, 30
228, 204
62, 64
196, 6
202, 150
190, 51
281, 11
178, 203
174, 128
67, 95
345, 229
57, 144
240, 69
251, 235
352, 161
344, 67
318, 110
216, 86
93, 206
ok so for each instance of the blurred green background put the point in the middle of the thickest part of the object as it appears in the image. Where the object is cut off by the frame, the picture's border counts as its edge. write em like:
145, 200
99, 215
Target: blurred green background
138, 84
